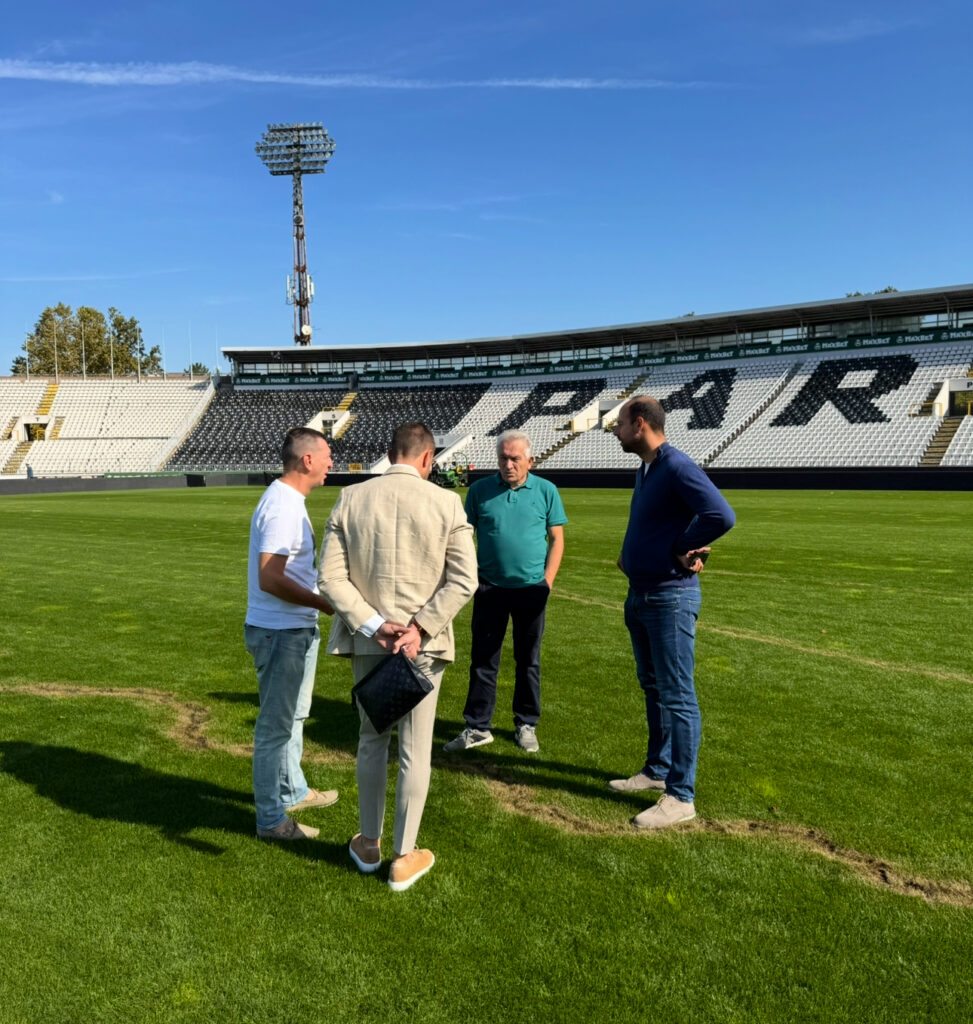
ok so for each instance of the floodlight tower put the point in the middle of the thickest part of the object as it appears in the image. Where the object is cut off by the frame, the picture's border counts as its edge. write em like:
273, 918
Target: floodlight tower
297, 149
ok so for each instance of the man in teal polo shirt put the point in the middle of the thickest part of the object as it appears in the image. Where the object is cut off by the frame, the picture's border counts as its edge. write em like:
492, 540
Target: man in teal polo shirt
519, 522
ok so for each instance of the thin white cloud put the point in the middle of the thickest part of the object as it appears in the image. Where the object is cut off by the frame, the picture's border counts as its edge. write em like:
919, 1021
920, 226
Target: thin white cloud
197, 73
67, 278
520, 218
444, 205
852, 31
55, 198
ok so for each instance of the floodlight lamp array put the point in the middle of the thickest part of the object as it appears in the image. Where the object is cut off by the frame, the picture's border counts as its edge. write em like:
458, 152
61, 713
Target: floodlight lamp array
300, 148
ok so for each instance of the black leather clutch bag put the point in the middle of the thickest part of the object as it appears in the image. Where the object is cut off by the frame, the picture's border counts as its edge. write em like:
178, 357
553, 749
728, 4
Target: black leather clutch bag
392, 689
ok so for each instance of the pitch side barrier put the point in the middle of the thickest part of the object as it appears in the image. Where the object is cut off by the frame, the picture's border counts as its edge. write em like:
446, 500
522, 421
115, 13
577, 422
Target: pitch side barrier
937, 336
857, 478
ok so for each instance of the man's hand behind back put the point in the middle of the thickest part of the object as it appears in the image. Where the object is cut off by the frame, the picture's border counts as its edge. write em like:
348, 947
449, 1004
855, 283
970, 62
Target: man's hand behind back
388, 633
693, 561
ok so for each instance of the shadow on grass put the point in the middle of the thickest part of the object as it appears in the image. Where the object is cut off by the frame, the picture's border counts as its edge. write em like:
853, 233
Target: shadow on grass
105, 788
334, 724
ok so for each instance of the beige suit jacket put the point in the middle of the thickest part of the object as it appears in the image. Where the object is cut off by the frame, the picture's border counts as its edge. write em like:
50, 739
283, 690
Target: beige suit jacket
400, 547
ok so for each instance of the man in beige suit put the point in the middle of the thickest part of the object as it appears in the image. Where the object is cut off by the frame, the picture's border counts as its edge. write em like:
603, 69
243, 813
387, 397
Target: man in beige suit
397, 563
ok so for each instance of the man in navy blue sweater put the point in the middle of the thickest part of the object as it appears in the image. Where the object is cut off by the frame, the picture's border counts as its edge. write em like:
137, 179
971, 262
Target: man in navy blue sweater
676, 513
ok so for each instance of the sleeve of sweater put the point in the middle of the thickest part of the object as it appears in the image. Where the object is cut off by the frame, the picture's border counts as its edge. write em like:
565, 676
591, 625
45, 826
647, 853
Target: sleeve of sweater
712, 515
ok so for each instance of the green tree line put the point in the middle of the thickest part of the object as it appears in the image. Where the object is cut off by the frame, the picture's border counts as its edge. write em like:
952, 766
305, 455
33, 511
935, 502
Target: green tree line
85, 340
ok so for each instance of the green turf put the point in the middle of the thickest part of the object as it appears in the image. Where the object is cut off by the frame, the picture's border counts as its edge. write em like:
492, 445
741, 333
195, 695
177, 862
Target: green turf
836, 681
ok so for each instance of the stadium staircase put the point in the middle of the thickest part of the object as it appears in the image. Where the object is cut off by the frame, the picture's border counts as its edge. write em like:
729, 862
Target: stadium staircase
17, 459
345, 403
926, 408
558, 445
771, 396
47, 400
55, 431
8, 433
633, 387
608, 425
941, 441
346, 425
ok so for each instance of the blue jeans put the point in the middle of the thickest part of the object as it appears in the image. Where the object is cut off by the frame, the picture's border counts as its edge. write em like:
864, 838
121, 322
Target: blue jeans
285, 660
662, 624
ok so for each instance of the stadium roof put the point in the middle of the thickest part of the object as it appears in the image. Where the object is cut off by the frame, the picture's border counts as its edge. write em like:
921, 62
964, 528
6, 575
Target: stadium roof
683, 329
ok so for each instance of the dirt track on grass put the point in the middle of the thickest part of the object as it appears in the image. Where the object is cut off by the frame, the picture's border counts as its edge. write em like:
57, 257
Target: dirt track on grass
189, 731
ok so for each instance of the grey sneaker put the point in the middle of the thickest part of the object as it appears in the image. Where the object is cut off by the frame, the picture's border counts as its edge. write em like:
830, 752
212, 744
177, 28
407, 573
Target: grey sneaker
289, 829
668, 811
526, 738
636, 784
468, 739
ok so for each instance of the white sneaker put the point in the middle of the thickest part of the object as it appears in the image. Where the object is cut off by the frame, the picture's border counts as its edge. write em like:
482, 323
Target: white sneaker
468, 739
526, 738
668, 811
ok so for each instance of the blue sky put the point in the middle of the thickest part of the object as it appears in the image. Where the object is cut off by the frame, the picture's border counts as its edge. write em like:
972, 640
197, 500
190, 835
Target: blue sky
500, 168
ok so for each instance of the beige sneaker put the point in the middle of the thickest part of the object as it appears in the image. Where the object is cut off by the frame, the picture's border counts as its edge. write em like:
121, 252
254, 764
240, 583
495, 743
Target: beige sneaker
367, 858
636, 784
315, 798
409, 868
668, 811
289, 829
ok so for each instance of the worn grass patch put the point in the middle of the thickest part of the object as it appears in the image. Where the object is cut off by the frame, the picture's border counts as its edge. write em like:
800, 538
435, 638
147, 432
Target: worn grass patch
828, 877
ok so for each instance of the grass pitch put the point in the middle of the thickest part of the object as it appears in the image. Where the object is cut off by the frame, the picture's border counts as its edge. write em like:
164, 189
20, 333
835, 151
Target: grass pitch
828, 878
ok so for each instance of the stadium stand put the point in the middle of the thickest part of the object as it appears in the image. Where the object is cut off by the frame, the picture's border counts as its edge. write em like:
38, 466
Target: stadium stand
847, 411
703, 408
872, 380
94, 427
378, 411
109, 409
960, 452
243, 429
871, 409
542, 408
18, 398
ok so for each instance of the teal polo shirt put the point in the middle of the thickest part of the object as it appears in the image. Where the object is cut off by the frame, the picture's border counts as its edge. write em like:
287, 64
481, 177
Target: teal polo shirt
511, 528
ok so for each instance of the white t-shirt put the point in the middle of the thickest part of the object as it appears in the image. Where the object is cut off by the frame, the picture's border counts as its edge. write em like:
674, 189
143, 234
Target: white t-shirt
280, 526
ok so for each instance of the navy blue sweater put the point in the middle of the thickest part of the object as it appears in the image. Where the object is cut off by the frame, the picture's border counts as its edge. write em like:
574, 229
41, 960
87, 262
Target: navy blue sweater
675, 509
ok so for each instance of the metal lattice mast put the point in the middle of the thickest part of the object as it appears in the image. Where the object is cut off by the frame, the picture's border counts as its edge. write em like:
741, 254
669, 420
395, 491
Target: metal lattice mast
297, 149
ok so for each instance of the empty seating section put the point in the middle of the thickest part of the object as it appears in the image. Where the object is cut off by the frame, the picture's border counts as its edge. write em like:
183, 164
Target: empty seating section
6, 450
379, 410
850, 411
960, 452
107, 409
18, 398
541, 407
94, 457
99, 426
704, 405
594, 449
243, 429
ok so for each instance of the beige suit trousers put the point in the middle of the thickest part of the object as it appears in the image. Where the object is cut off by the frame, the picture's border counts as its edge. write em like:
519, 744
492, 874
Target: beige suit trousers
415, 755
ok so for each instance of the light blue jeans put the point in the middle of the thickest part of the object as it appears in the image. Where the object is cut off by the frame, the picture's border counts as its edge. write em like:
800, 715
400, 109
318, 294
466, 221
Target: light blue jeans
285, 660
662, 624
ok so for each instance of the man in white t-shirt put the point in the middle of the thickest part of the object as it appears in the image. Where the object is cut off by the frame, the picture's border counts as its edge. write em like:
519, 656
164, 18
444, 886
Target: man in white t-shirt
281, 633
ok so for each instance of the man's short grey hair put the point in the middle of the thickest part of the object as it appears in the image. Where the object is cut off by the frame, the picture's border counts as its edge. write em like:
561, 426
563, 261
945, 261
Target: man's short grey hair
514, 435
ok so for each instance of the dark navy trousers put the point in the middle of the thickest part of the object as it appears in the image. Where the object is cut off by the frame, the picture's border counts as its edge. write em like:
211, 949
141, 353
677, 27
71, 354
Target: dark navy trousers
493, 608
